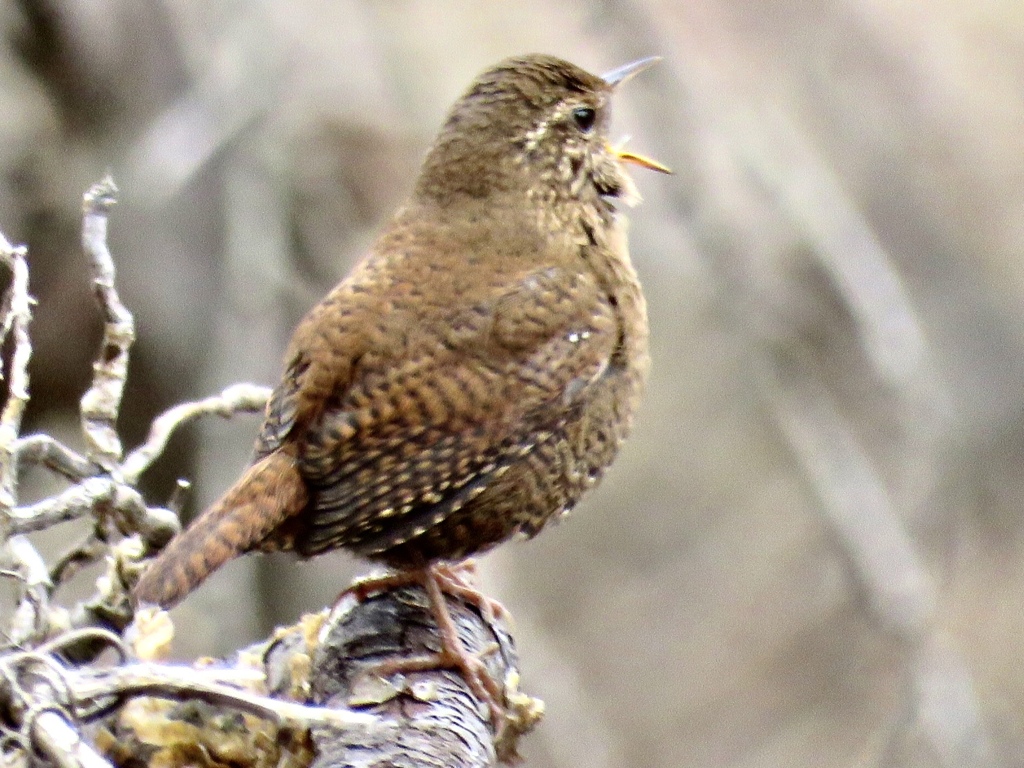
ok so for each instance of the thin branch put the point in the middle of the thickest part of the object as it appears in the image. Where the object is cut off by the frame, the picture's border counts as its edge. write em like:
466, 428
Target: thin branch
56, 738
155, 525
85, 553
72, 503
36, 699
214, 686
43, 694
97, 494
108, 606
55, 456
239, 398
30, 616
6, 315
100, 405
179, 496
16, 320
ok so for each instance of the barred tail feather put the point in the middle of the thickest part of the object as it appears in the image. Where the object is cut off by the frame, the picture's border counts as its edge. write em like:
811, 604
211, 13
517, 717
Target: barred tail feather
271, 491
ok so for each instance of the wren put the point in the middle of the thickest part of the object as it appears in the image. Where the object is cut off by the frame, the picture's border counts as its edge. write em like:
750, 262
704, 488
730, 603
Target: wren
477, 372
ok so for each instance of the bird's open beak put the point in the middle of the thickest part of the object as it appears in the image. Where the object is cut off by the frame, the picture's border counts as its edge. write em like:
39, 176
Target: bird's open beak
617, 77
626, 156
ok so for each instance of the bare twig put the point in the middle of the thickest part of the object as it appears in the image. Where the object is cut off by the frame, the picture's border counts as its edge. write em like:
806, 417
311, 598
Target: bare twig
82, 555
30, 616
77, 501
36, 699
215, 686
155, 525
43, 695
55, 456
108, 605
179, 496
47, 728
16, 319
100, 405
97, 495
60, 741
239, 398
6, 315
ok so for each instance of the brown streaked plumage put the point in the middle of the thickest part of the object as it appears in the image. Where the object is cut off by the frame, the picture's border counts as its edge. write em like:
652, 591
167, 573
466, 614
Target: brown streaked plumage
477, 372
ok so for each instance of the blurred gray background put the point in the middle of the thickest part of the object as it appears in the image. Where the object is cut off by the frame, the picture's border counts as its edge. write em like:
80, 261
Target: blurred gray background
811, 553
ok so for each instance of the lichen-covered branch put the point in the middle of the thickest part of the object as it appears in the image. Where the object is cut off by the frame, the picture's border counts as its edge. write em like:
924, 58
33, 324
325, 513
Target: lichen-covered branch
30, 619
61, 741
213, 686
16, 319
322, 675
437, 719
93, 496
239, 398
55, 456
48, 701
102, 402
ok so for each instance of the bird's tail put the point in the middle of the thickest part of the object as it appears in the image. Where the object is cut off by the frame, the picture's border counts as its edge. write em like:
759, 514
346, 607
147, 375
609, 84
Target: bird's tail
269, 493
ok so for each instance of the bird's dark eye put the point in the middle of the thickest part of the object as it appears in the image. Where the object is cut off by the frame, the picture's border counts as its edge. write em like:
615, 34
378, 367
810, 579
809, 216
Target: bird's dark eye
584, 117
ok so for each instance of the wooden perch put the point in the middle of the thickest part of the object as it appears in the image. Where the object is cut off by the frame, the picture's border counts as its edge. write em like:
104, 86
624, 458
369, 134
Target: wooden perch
327, 664
439, 721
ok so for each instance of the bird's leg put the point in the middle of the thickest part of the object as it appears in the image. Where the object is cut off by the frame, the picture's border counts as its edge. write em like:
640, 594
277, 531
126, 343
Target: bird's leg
456, 579
365, 586
459, 580
453, 653
436, 580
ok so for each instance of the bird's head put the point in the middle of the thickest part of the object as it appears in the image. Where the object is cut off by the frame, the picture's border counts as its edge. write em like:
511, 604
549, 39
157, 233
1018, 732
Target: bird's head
540, 125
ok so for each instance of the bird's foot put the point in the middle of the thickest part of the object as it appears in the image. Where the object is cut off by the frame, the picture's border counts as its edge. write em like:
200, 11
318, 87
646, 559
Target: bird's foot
456, 579
436, 580
469, 665
364, 587
459, 580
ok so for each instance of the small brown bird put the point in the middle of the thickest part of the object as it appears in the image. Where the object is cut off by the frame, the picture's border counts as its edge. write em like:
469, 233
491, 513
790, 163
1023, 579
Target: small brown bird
474, 374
